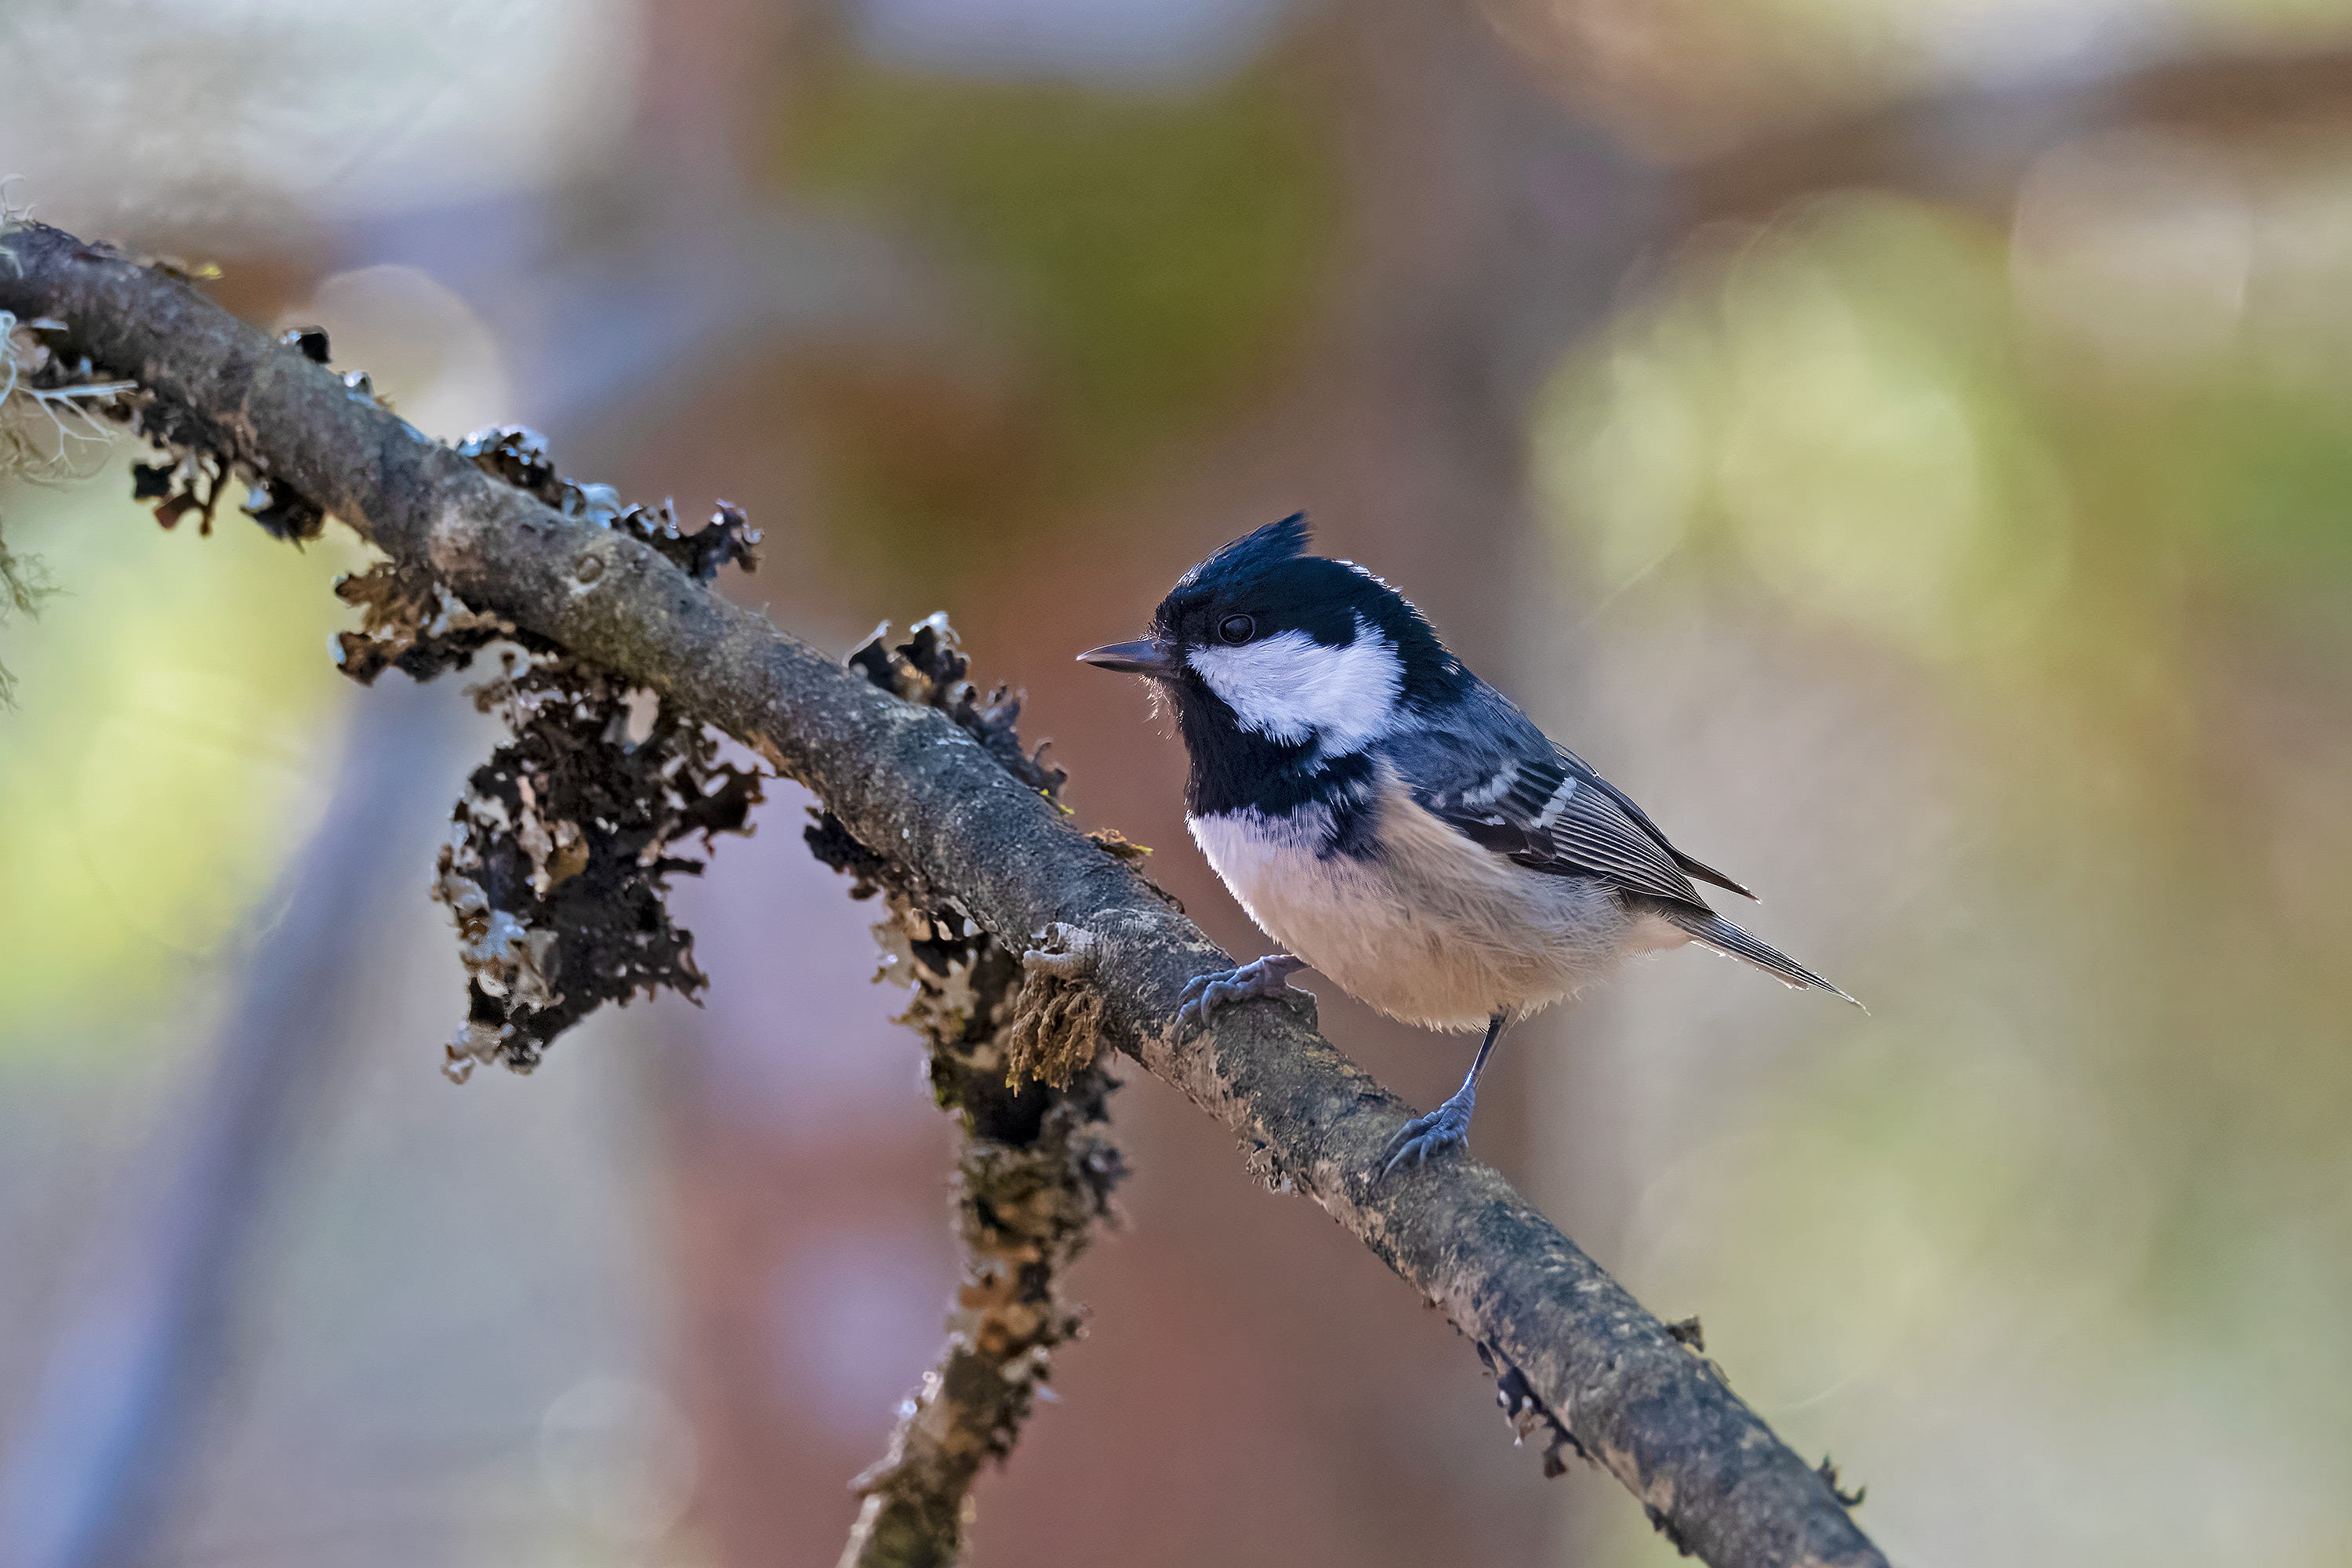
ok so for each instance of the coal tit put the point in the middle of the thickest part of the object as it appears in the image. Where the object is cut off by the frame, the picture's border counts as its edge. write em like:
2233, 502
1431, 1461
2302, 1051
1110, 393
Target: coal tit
1395, 822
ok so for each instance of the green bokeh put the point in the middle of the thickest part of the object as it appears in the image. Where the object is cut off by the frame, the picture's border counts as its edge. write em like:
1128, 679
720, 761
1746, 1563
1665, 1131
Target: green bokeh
1839, 402
173, 741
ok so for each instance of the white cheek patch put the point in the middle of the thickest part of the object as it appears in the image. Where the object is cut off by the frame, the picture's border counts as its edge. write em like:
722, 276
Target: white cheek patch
1290, 687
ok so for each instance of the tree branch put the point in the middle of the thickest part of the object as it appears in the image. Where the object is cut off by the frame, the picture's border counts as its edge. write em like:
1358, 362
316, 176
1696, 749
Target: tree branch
960, 832
1013, 1055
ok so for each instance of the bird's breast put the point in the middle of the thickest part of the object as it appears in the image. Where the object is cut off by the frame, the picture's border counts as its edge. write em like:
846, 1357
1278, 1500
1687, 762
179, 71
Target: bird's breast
1409, 916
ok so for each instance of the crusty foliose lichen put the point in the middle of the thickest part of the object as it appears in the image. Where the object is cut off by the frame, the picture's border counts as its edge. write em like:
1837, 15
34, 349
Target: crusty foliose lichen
556, 866
518, 455
557, 861
199, 457
1035, 1170
1035, 1173
1528, 1414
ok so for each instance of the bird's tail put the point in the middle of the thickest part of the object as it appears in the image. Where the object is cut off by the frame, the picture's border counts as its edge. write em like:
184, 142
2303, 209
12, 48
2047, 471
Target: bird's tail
1706, 926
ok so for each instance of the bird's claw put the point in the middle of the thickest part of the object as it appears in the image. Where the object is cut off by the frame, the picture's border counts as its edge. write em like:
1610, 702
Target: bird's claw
1205, 993
1424, 1138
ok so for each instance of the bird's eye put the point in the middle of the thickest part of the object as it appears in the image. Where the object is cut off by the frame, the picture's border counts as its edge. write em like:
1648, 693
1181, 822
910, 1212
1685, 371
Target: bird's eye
1237, 628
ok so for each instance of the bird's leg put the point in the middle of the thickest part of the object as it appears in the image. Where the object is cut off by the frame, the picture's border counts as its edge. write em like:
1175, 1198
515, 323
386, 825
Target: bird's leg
1448, 1126
1269, 976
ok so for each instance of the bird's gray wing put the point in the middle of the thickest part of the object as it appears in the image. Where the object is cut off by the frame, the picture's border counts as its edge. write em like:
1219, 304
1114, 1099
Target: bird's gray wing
1691, 866
1497, 780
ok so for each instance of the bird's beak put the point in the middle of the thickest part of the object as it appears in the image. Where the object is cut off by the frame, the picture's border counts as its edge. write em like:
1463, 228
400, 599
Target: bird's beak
1145, 657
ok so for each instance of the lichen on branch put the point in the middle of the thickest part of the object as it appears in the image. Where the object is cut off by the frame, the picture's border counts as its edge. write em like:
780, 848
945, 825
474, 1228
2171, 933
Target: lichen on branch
1055, 1028
1035, 1173
1011, 1042
557, 865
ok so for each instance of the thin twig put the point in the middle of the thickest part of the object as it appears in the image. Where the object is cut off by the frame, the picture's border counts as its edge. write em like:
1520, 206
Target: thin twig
915, 790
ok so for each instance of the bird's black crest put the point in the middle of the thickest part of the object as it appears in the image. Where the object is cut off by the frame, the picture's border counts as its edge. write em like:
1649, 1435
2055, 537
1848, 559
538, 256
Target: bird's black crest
1252, 554
1268, 577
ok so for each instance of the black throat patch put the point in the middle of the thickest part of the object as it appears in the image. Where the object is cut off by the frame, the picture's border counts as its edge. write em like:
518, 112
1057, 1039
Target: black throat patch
1234, 769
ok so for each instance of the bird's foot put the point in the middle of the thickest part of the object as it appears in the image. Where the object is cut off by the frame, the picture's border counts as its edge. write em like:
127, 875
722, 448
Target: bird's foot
1424, 1138
1269, 976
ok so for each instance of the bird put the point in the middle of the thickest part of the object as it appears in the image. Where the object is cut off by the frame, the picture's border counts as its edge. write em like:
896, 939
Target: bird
1394, 822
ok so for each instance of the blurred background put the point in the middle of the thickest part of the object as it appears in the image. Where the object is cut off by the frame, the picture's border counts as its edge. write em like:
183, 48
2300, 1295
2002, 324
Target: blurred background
1907, 445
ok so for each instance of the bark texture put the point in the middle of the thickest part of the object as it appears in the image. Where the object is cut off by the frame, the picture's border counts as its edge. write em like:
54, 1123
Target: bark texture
958, 832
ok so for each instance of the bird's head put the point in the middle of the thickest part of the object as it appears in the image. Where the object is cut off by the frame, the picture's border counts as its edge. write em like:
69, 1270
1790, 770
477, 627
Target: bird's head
1265, 645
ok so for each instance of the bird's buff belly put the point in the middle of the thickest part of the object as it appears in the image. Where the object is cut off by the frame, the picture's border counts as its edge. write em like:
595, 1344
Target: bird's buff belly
1436, 931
